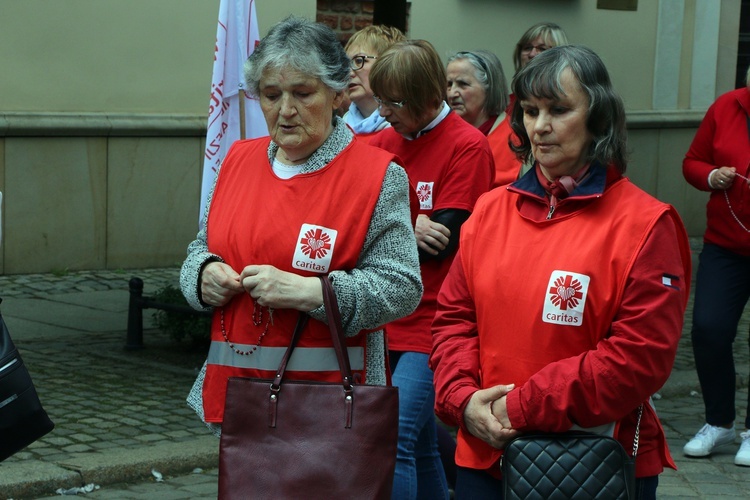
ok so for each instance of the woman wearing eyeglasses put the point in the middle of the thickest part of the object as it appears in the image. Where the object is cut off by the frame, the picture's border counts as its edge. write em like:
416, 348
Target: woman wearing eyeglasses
478, 93
534, 41
449, 164
363, 48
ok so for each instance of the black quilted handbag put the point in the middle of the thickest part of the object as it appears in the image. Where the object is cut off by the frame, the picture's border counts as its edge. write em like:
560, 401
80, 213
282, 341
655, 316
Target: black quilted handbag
572, 465
22, 418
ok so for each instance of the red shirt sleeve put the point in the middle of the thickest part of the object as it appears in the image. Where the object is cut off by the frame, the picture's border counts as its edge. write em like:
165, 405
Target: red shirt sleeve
455, 347
699, 160
468, 177
627, 367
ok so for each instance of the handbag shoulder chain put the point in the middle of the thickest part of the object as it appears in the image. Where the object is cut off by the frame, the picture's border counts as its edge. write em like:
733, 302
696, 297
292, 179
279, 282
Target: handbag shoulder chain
637, 436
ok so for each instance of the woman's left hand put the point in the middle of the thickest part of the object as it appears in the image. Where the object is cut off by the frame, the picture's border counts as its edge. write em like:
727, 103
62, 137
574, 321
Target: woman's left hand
277, 289
432, 237
480, 420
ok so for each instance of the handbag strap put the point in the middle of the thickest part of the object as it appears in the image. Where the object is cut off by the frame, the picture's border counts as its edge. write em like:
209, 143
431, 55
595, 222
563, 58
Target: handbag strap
301, 324
337, 331
333, 316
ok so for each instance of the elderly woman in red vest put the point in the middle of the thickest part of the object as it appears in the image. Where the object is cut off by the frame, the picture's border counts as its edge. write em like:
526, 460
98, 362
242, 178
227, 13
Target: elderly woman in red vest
309, 200
564, 305
478, 93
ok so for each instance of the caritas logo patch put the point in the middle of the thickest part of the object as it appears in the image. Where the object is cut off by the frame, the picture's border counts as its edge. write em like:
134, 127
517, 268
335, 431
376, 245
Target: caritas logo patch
314, 250
565, 298
424, 193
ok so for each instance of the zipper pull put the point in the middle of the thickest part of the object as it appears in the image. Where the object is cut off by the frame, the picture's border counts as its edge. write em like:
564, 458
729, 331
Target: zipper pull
551, 211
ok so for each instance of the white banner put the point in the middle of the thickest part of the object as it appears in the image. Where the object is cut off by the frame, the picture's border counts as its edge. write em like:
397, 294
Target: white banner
236, 37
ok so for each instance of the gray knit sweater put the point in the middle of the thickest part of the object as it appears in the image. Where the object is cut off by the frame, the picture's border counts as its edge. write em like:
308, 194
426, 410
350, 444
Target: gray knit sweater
384, 286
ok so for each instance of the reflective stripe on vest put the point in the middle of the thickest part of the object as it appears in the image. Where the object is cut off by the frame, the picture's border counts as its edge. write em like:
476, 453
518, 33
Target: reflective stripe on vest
307, 359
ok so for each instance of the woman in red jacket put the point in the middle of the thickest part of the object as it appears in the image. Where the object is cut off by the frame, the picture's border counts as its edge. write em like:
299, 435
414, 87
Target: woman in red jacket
564, 305
718, 161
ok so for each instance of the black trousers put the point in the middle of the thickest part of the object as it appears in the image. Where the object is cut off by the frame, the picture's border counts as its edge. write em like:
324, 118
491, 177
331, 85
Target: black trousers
721, 292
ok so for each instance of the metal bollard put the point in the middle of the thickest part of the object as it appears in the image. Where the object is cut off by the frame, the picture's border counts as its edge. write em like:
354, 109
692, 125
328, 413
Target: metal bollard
134, 338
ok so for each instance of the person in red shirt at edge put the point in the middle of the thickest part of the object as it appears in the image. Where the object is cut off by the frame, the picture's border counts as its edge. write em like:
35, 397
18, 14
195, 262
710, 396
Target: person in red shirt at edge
564, 305
718, 161
478, 93
449, 164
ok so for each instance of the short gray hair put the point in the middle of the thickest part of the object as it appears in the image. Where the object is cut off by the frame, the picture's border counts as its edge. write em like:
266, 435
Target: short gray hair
541, 78
489, 73
309, 47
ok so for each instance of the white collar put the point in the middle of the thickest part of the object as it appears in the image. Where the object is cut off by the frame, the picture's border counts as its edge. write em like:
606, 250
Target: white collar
434, 123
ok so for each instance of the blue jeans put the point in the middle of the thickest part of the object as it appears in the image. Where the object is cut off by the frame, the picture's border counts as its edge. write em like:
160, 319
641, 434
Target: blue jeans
419, 471
722, 289
472, 484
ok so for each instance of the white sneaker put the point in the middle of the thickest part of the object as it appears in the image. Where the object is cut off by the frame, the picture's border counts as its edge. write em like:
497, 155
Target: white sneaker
743, 455
709, 438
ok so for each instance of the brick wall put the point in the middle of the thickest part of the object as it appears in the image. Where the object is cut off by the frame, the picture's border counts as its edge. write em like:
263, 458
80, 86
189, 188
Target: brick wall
345, 16
348, 16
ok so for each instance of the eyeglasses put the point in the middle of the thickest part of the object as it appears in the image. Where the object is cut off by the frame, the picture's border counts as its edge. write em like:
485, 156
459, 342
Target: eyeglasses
389, 104
529, 48
358, 62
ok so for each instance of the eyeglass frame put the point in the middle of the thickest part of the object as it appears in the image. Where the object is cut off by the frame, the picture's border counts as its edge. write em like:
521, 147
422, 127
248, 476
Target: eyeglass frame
390, 104
528, 49
363, 58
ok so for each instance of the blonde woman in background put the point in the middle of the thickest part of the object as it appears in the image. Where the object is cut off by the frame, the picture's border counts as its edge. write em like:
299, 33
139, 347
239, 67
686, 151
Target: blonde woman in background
363, 48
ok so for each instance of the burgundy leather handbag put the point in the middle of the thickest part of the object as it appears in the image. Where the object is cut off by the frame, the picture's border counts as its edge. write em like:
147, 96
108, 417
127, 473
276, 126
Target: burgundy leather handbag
307, 439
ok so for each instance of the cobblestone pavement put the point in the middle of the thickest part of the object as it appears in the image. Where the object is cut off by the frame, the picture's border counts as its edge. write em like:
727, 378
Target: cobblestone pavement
41, 285
119, 413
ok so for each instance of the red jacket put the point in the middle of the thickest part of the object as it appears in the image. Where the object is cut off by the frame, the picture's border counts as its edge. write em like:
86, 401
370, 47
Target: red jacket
507, 164
601, 384
723, 140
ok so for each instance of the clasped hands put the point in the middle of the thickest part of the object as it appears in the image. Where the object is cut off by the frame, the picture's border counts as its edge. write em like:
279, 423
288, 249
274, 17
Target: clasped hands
267, 285
486, 416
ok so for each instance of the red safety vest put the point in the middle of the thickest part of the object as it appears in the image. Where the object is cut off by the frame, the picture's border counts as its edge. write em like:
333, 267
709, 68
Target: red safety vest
553, 288
310, 225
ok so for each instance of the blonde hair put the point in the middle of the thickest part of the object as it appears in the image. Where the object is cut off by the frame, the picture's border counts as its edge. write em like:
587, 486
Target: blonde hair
375, 37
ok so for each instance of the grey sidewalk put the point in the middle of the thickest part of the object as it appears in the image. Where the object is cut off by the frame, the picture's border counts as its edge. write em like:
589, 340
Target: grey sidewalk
119, 414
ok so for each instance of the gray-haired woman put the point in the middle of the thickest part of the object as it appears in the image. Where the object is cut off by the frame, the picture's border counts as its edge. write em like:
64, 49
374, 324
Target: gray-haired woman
569, 288
307, 201
478, 93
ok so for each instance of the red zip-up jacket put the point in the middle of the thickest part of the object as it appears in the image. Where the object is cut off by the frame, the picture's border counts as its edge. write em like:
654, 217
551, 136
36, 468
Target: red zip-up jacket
723, 140
600, 385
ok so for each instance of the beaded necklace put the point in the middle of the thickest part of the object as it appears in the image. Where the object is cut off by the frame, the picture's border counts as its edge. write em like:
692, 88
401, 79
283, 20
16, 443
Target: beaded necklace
726, 197
257, 318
